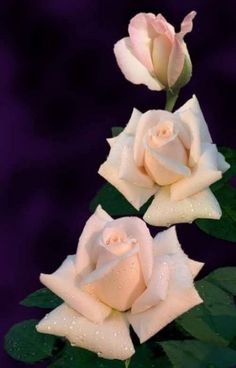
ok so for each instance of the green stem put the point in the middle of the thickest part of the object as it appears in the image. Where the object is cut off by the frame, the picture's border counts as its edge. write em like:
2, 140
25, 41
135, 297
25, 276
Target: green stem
171, 98
127, 362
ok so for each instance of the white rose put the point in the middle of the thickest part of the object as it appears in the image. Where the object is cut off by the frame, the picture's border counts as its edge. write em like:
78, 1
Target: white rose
120, 275
172, 156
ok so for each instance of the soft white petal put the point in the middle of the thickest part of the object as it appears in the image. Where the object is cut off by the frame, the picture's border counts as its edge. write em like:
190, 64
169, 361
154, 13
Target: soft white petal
148, 323
115, 153
157, 287
203, 175
222, 164
187, 23
163, 211
111, 141
195, 267
110, 339
133, 122
88, 241
166, 243
130, 172
191, 115
132, 68
63, 282
136, 195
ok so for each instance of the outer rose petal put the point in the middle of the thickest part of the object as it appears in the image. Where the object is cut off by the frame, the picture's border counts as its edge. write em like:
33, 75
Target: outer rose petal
163, 211
133, 122
187, 23
137, 196
191, 116
195, 267
166, 243
222, 164
203, 175
148, 323
85, 255
141, 34
109, 340
63, 283
132, 68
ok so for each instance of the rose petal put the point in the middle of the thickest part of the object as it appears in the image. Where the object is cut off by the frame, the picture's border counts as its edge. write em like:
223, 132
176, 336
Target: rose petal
166, 243
162, 27
130, 172
187, 23
221, 163
63, 283
195, 267
122, 285
163, 211
148, 120
136, 195
191, 116
166, 164
176, 61
137, 229
161, 51
115, 153
148, 323
203, 175
132, 68
85, 255
141, 34
110, 339
157, 287
133, 122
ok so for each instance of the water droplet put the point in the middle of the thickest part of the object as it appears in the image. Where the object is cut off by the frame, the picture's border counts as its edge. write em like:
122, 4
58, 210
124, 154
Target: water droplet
49, 328
97, 332
99, 353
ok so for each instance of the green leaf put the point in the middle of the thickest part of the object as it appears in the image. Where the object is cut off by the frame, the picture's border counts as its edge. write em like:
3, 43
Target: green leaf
196, 354
74, 357
145, 357
116, 131
214, 320
115, 203
225, 278
230, 156
24, 343
42, 298
225, 228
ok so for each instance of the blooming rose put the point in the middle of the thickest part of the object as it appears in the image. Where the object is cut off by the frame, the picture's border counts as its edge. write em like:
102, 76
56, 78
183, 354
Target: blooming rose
154, 54
170, 155
120, 275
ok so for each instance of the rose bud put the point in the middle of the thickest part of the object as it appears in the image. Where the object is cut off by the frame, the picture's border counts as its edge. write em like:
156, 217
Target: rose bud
120, 275
154, 54
171, 156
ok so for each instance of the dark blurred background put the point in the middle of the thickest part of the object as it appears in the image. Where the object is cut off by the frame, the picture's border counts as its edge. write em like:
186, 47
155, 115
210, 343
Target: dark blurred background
60, 93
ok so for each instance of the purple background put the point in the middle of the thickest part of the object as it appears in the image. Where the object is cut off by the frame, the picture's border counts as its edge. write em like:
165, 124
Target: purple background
61, 92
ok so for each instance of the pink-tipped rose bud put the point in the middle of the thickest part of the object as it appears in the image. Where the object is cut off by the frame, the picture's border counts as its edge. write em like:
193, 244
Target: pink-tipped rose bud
154, 54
